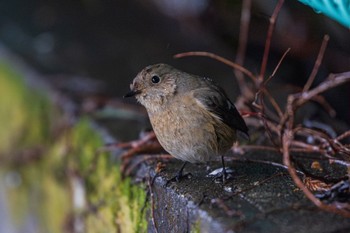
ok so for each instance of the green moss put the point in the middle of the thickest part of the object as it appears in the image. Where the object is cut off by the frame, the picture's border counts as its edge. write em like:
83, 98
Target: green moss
41, 195
12, 102
45, 185
196, 227
25, 114
118, 202
26, 119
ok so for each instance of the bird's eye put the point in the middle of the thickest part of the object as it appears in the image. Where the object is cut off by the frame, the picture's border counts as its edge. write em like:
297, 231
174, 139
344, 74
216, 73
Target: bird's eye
155, 79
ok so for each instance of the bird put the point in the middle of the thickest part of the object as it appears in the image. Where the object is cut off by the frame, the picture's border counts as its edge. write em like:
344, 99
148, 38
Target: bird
191, 116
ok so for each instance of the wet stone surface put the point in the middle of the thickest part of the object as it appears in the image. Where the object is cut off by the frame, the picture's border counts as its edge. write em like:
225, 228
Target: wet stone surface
260, 198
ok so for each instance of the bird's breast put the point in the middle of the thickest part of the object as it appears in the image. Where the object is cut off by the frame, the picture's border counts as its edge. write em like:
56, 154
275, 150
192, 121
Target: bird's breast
189, 132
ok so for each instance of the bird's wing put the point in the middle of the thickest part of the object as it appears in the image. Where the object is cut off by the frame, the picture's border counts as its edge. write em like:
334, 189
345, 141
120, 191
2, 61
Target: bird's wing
215, 100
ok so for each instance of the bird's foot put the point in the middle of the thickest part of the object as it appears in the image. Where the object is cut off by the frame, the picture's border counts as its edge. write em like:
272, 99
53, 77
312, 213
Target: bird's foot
221, 175
178, 177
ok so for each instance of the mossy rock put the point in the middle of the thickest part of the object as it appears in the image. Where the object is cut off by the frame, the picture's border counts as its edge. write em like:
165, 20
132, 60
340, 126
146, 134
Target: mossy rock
58, 182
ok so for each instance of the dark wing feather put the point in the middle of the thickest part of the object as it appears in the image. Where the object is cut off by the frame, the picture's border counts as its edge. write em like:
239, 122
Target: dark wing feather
217, 102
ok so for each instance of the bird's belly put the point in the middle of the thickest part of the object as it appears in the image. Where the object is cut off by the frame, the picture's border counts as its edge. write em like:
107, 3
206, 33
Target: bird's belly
189, 136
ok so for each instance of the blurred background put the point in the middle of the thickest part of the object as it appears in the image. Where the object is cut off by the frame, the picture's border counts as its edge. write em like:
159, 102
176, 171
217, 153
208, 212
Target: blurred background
74, 42
90, 49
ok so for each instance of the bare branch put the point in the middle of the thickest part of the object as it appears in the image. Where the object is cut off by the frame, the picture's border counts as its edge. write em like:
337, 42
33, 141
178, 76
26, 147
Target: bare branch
343, 135
220, 59
332, 81
323, 102
242, 44
277, 67
268, 40
317, 63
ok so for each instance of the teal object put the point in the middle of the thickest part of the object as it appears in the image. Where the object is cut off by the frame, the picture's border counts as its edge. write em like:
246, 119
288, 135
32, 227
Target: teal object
338, 10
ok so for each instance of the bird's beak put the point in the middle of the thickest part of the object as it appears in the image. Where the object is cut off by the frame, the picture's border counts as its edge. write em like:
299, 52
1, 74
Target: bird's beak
132, 93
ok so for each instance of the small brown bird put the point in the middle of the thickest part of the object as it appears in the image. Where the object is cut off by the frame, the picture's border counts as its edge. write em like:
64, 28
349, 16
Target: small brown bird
191, 116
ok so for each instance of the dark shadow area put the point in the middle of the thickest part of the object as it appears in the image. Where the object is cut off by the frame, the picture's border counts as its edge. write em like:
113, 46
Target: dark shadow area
111, 41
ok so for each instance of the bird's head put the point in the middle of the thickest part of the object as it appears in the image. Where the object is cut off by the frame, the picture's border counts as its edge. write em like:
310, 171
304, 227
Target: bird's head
154, 86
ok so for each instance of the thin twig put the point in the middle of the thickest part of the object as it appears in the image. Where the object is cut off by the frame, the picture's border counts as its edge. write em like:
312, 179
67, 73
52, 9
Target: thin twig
145, 158
296, 100
277, 67
332, 81
343, 135
220, 59
273, 103
246, 148
268, 39
242, 44
310, 148
286, 139
326, 106
317, 63
259, 103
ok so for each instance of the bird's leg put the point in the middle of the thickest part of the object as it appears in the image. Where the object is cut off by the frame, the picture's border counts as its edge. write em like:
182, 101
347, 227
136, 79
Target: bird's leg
224, 173
179, 175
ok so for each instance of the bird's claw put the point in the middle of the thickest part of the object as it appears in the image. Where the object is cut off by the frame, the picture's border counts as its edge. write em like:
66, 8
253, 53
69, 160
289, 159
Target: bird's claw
221, 175
178, 177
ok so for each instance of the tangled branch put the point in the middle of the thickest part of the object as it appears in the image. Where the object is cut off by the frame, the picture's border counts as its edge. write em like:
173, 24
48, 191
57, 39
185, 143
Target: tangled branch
283, 133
